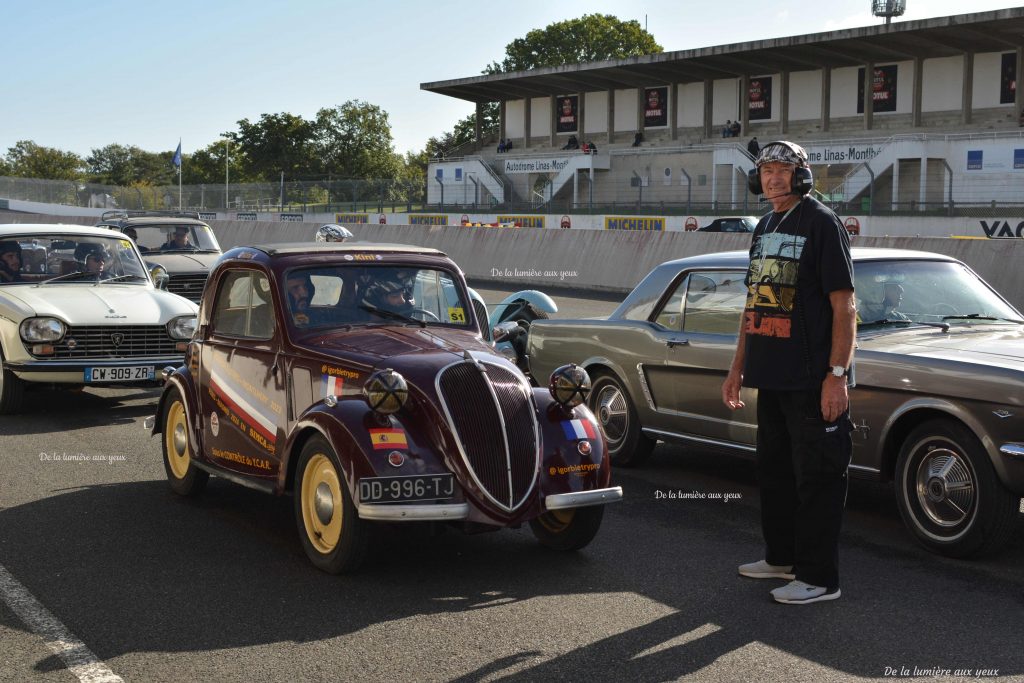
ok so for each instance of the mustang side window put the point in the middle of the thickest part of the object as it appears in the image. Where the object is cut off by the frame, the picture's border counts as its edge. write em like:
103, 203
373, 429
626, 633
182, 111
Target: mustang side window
671, 315
714, 302
243, 306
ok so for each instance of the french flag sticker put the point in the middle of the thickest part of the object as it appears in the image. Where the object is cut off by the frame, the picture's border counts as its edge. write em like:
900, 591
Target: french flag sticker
332, 385
578, 429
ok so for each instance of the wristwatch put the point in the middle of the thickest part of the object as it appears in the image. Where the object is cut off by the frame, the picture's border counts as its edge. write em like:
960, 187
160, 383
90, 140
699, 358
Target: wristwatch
839, 371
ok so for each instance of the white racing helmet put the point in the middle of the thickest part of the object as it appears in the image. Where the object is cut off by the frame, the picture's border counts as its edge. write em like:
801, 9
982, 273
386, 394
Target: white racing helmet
332, 232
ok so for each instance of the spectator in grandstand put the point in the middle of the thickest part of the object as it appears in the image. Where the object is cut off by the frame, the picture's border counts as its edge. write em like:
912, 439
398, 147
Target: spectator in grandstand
593, 147
736, 129
638, 138
572, 143
754, 147
727, 129
585, 148
508, 144
501, 146
10, 261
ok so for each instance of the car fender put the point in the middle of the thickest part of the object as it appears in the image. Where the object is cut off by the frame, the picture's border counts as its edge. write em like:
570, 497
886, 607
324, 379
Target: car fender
570, 465
541, 302
949, 408
336, 425
182, 380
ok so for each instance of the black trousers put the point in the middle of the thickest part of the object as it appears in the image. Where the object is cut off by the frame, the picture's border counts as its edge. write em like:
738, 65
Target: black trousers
802, 463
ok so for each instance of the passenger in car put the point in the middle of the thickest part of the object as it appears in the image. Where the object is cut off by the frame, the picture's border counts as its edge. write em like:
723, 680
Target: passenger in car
300, 291
10, 261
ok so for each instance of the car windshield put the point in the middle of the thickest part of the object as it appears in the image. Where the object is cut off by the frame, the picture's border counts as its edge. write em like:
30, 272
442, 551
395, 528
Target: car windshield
333, 296
56, 258
165, 237
926, 292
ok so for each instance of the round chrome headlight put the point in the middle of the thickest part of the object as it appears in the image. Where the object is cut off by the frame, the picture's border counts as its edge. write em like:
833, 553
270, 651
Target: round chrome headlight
42, 330
569, 385
182, 327
386, 391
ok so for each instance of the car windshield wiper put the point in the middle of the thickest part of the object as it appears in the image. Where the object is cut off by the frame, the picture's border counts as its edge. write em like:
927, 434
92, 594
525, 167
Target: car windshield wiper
384, 313
119, 278
890, 321
979, 316
69, 276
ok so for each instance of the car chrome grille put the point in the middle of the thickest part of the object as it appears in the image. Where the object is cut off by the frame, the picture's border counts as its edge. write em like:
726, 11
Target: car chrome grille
188, 286
493, 419
105, 342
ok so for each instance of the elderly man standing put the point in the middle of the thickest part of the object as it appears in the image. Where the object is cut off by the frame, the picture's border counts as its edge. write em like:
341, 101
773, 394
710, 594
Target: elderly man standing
795, 347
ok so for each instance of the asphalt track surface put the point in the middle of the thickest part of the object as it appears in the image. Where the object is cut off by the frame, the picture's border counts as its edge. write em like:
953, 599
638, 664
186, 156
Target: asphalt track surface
218, 589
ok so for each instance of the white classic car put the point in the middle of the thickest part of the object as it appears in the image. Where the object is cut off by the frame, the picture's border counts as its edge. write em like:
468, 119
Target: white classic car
78, 307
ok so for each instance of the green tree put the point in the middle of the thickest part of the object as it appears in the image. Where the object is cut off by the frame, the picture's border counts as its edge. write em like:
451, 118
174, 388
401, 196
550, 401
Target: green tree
120, 165
5, 168
590, 38
275, 143
354, 140
29, 160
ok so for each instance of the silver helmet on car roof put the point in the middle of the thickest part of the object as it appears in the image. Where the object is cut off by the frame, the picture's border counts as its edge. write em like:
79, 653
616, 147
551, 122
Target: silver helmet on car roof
332, 233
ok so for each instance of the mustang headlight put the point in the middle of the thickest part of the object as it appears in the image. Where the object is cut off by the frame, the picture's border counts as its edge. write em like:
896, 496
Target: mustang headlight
386, 391
182, 328
569, 385
42, 330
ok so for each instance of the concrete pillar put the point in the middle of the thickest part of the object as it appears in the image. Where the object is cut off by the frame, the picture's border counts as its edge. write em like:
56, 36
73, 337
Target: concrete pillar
581, 127
745, 104
784, 103
869, 95
968, 88
527, 120
895, 184
1018, 102
671, 107
611, 116
922, 195
640, 109
553, 116
501, 120
918, 90
826, 97
709, 108
477, 127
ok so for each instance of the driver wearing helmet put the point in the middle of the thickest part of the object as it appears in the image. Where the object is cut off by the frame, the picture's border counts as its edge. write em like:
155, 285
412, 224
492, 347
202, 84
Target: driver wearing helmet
10, 261
391, 292
92, 257
332, 233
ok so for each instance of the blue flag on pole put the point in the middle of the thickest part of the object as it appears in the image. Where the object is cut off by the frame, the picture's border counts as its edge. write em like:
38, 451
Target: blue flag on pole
176, 160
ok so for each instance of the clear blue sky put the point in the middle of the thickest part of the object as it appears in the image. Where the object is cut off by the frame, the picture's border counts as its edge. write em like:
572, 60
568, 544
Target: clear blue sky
82, 75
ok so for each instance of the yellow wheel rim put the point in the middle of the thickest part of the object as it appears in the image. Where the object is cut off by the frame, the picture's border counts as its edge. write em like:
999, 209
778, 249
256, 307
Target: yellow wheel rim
176, 440
322, 513
556, 521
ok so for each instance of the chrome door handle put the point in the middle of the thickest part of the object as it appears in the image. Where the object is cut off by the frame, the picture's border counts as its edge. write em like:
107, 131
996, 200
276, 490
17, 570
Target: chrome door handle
677, 342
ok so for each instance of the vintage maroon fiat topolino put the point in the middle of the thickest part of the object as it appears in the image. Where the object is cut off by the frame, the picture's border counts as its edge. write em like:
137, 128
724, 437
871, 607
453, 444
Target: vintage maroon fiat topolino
355, 377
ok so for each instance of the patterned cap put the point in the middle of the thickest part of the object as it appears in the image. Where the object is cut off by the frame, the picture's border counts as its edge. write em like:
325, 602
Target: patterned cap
783, 152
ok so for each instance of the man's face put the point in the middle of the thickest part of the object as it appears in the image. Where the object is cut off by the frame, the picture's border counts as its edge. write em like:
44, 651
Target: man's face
652, 99
776, 178
298, 292
12, 260
180, 237
131, 234
566, 106
893, 296
94, 263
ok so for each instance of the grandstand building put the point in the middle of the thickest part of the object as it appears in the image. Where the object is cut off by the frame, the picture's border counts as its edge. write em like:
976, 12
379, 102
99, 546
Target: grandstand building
936, 128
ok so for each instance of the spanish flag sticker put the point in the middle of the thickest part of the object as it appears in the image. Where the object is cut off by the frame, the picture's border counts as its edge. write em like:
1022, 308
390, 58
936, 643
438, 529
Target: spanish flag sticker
388, 438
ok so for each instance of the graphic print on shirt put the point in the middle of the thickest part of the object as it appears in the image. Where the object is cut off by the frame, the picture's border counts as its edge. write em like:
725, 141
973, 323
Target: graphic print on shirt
772, 279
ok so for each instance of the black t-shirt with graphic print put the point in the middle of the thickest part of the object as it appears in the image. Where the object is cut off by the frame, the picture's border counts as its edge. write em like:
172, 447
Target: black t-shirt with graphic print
796, 260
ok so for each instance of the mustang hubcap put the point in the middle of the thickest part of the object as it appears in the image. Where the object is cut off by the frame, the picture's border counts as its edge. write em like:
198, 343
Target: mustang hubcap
945, 487
611, 412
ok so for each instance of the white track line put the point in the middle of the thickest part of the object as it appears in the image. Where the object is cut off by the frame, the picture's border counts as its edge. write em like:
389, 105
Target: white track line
79, 659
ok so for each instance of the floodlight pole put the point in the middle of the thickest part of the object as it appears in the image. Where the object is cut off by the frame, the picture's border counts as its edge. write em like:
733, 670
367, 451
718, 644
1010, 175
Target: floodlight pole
227, 161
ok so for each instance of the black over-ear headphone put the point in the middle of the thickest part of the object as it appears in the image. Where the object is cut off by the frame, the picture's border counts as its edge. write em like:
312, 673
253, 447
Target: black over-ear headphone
803, 180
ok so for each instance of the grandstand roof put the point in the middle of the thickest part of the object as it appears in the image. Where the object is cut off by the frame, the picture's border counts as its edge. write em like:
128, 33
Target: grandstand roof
1000, 30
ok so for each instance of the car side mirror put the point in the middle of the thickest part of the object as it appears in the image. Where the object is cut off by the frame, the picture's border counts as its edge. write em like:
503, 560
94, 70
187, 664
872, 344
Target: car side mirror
161, 280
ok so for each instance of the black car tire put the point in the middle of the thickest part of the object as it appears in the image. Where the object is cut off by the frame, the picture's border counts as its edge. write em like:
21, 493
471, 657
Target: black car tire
183, 476
333, 536
570, 529
949, 494
12, 390
610, 403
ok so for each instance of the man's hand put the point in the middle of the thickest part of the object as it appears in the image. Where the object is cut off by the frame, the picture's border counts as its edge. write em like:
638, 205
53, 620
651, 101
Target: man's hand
834, 398
731, 391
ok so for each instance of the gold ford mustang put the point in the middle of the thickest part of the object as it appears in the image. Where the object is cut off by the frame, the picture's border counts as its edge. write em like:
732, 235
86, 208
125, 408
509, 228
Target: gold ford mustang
939, 398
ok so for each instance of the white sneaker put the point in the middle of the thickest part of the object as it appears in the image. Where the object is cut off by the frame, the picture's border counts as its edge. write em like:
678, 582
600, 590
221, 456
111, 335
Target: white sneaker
800, 593
763, 570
